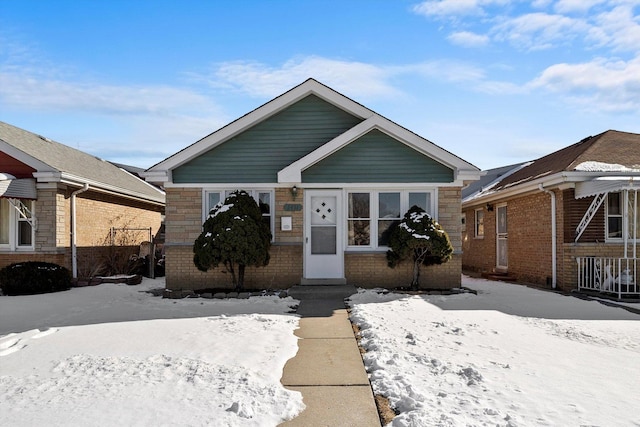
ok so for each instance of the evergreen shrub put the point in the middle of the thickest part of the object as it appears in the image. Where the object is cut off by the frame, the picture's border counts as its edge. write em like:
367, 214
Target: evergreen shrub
34, 277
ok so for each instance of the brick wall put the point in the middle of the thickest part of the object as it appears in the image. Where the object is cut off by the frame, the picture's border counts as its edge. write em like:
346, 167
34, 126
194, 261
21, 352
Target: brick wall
529, 238
479, 253
184, 224
96, 214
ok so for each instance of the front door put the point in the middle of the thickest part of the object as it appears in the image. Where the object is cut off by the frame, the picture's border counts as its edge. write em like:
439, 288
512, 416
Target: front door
323, 253
501, 238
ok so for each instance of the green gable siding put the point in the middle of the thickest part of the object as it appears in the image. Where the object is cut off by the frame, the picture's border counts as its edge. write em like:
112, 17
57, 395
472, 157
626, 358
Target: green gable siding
257, 154
376, 157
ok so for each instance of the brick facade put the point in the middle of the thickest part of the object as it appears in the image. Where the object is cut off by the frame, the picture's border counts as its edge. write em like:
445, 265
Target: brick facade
96, 213
529, 238
285, 269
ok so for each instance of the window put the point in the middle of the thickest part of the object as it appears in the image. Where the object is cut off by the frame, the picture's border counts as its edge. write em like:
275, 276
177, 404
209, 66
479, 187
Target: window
614, 215
264, 199
618, 218
372, 215
16, 230
479, 223
359, 219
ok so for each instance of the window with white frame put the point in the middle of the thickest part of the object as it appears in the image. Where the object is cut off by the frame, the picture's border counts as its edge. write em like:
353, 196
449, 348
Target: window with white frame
479, 223
372, 215
618, 219
16, 231
264, 199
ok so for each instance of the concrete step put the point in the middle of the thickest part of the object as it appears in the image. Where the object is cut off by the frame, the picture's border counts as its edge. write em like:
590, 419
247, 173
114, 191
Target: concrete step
303, 292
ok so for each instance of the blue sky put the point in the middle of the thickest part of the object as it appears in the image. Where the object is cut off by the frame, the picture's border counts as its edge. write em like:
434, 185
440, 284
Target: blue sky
493, 81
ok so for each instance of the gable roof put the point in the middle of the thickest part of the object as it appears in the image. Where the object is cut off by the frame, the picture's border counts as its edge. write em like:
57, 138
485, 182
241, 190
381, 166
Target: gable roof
161, 172
611, 153
601, 153
55, 162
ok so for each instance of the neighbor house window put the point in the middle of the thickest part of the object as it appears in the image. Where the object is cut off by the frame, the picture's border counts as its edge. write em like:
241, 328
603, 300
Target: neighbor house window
617, 218
16, 230
372, 215
264, 199
479, 223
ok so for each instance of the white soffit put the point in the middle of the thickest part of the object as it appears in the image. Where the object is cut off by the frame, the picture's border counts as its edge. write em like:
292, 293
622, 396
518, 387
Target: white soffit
606, 185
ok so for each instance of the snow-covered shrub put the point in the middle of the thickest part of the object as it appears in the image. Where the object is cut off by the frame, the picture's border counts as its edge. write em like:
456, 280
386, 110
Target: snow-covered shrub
235, 236
34, 277
421, 239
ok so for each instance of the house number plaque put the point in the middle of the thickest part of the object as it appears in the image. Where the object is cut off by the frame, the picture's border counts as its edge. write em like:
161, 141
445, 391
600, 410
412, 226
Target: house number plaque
292, 207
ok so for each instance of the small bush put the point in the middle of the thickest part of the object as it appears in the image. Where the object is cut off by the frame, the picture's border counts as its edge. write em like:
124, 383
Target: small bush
34, 277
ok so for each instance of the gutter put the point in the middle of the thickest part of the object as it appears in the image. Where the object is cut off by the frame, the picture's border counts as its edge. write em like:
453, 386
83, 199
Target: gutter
74, 250
554, 273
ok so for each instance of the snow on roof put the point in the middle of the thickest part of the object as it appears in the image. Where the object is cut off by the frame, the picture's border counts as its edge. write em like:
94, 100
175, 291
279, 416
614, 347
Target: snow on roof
592, 166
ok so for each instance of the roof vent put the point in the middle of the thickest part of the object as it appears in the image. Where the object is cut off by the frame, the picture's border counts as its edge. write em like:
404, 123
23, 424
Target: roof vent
44, 138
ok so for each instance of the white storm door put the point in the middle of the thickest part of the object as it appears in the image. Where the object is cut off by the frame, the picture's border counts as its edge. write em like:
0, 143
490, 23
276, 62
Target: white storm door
323, 252
502, 259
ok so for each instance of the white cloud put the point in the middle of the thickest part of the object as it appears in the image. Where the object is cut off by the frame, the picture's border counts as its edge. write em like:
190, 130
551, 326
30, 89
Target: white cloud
355, 79
455, 7
618, 28
256, 79
468, 39
602, 84
448, 7
537, 31
569, 6
37, 92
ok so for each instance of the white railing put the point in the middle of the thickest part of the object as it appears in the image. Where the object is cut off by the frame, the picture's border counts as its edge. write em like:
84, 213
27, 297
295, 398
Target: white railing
608, 275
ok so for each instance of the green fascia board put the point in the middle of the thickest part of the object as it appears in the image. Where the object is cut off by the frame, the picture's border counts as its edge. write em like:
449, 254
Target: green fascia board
377, 157
257, 154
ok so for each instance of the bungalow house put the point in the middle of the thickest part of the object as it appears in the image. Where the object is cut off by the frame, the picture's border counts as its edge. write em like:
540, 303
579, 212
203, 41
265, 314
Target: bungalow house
330, 175
567, 220
61, 205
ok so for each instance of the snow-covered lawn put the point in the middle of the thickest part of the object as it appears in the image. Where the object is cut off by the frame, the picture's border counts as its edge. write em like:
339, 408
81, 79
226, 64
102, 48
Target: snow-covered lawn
509, 356
114, 355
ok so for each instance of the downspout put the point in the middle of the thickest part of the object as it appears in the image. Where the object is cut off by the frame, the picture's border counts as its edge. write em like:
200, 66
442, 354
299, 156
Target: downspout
554, 272
74, 251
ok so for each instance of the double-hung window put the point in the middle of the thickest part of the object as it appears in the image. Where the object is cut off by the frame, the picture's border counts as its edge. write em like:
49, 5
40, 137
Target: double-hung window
372, 215
264, 199
619, 218
16, 230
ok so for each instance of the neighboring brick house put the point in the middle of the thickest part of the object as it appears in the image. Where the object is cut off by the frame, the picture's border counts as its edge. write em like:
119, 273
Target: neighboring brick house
59, 204
331, 176
565, 220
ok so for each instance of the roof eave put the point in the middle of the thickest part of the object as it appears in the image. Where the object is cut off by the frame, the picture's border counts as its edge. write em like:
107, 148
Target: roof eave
309, 87
77, 181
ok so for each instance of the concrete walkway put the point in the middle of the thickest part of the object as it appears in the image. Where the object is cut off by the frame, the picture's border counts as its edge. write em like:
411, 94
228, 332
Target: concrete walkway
328, 368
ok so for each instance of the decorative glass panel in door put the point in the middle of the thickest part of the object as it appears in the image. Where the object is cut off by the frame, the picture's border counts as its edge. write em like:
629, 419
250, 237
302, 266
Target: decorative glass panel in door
323, 225
323, 254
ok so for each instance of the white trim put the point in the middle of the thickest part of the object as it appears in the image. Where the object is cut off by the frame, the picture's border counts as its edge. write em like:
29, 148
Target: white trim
462, 170
374, 214
261, 113
339, 185
253, 192
25, 158
77, 181
14, 220
475, 224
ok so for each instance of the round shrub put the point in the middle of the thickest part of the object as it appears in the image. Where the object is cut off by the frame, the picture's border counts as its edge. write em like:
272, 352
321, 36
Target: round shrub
34, 277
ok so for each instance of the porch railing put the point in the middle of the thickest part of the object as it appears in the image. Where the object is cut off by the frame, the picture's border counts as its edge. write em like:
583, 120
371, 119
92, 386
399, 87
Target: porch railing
616, 276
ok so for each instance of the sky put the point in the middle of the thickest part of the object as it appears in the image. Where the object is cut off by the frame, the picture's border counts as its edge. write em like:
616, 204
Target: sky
495, 82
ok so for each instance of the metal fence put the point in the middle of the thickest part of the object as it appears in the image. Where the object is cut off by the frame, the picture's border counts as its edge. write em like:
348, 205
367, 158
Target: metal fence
615, 276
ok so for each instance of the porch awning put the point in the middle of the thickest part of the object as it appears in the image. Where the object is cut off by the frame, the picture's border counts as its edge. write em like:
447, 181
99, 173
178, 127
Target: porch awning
17, 188
603, 185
